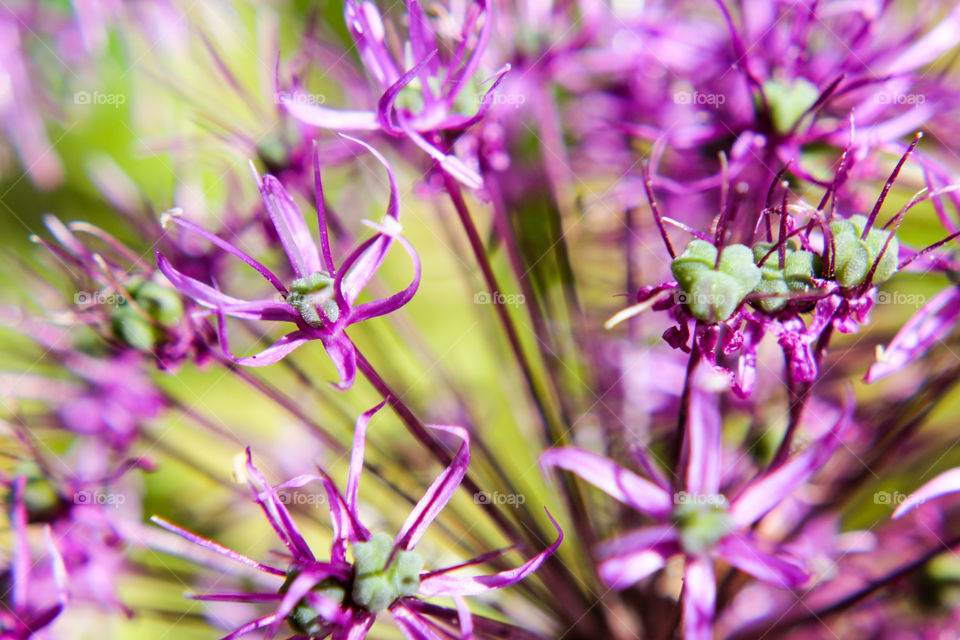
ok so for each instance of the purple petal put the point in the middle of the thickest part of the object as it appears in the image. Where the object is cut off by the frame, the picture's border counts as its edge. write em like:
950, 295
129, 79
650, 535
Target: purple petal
21, 548
393, 204
357, 630
204, 294
356, 456
323, 117
765, 492
413, 625
276, 512
229, 248
322, 214
217, 548
448, 162
931, 324
439, 493
607, 475
743, 553
293, 232
391, 303
464, 617
703, 431
259, 623
445, 585
699, 598
385, 104
344, 357
274, 353
329, 610
946, 482
629, 558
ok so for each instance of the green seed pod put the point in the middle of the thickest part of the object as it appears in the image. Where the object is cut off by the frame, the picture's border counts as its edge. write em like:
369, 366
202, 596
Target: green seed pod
712, 295
310, 292
133, 329
376, 586
304, 619
772, 286
855, 256
801, 267
701, 525
160, 303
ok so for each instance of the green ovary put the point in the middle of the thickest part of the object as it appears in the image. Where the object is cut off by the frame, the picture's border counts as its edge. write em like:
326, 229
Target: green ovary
376, 586
304, 619
309, 293
701, 526
800, 268
712, 295
789, 101
854, 257
160, 303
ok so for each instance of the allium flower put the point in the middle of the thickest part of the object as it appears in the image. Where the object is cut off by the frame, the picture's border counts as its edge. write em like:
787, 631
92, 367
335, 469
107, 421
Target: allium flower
342, 597
698, 522
25, 612
132, 307
736, 294
435, 95
322, 299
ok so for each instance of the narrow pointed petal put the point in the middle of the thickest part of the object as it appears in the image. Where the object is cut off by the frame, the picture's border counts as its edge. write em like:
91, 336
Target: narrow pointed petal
779, 570
931, 324
464, 617
294, 234
413, 626
217, 548
699, 598
203, 294
385, 104
945, 483
226, 246
280, 349
607, 475
445, 585
317, 115
439, 493
356, 455
765, 492
276, 512
344, 357
629, 558
703, 431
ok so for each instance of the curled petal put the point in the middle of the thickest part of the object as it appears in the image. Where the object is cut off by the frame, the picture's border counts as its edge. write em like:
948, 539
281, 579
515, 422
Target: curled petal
779, 570
344, 357
381, 307
607, 475
946, 482
445, 585
931, 324
203, 294
439, 493
274, 353
385, 104
356, 455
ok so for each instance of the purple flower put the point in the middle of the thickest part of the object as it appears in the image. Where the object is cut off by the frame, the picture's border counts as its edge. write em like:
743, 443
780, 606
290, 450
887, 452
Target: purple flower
321, 301
24, 613
435, 95
698, 522
336, 596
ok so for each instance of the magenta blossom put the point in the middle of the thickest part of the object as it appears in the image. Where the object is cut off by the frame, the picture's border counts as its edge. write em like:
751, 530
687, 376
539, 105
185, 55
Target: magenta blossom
21, 617
437, 94
698, 522
322, 299
336, 596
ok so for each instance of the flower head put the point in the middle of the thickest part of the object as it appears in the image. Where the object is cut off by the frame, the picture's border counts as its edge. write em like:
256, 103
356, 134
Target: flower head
342, 596
321, 300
